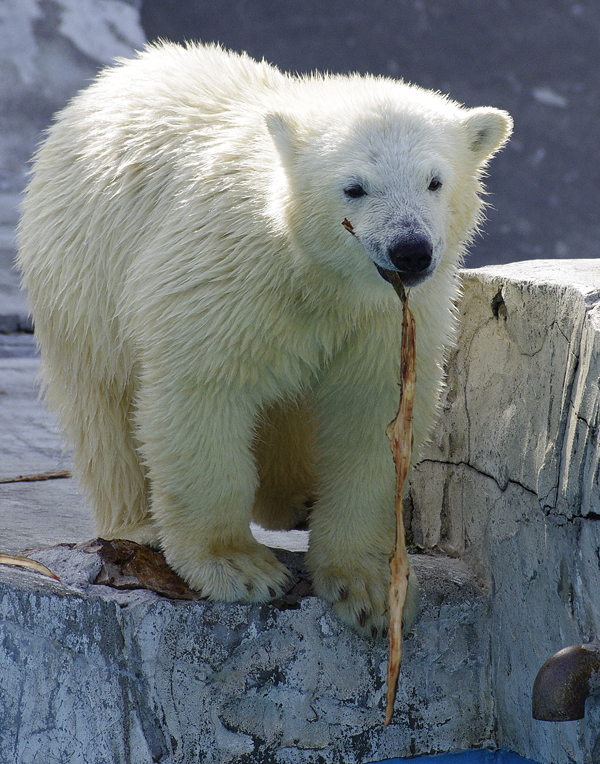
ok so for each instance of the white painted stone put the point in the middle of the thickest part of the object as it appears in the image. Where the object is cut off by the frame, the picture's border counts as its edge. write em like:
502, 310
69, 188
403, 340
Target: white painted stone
510, 481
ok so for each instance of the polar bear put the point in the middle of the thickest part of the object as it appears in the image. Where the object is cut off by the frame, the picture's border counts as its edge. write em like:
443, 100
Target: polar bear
217, 346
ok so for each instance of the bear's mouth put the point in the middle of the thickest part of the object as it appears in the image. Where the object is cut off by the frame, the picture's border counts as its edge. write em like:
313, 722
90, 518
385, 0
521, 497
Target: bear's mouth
408, 279
382, 272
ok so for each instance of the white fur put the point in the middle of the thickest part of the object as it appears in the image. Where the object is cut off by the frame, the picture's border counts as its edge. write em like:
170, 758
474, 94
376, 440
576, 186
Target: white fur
214, 342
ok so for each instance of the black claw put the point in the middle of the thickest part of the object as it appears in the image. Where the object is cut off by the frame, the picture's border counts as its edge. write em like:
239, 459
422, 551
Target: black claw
362, 618
374, 632
343, 593
384, 633
272, 591
249, 587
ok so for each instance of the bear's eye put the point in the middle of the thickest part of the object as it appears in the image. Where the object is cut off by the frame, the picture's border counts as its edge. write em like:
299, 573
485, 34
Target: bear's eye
355, 191
435, 184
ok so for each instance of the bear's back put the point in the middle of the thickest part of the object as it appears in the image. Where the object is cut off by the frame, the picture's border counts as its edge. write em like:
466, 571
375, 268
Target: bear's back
130, 151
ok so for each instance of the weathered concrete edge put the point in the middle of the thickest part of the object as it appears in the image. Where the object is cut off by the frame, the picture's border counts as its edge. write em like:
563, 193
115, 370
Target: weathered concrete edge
538, 549
252, 682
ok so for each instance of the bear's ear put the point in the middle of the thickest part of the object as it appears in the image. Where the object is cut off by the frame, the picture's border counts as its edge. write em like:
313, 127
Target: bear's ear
284, 135
487, 131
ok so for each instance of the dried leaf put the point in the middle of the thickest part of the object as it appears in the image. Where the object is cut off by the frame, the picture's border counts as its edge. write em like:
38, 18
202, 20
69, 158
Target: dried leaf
27, 562
127, 565
348, 226
399, 432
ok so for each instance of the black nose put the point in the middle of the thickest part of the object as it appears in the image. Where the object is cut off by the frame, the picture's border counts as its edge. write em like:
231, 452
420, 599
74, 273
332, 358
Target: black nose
412, 255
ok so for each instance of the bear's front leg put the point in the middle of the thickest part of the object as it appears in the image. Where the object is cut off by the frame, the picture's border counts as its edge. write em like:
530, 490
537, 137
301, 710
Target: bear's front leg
196, 444
353, 522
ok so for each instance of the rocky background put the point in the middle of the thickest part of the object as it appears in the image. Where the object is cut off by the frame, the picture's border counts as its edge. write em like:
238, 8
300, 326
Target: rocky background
536, 58
48, 51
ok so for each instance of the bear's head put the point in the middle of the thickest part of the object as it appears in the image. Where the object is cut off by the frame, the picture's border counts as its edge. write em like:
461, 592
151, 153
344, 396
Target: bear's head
380, 172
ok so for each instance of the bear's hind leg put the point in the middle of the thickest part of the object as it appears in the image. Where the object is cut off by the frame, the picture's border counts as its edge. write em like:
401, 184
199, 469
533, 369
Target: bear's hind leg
97, 416
283, 449
112, 473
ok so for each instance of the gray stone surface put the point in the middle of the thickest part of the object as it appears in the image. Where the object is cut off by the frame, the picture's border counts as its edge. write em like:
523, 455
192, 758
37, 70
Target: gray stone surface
33, 513
137, 678
49, 49
13, 307
510, 480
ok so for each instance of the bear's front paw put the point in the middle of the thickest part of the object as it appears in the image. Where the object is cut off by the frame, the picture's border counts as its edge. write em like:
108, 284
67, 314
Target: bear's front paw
248, 573
360, 597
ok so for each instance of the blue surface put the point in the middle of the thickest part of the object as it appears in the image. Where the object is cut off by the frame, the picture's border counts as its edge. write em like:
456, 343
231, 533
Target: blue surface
468, 757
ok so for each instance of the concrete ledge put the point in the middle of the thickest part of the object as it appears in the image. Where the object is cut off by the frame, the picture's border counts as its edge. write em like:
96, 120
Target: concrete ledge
136, 678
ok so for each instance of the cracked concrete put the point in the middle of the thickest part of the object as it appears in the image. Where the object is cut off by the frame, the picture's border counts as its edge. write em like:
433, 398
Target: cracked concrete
142, 678
139, 678
538, 359
511, 479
